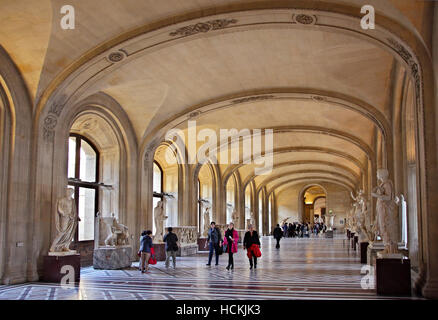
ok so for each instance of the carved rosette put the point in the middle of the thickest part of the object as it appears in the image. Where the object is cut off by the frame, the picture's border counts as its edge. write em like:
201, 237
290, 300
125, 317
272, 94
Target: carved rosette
51, 119
116, 56
305, 19
202, 27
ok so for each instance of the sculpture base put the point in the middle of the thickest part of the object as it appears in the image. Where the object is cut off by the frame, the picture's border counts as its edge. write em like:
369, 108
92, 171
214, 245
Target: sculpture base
376, 247
355, 242
329, 234
202, 244
160, 251
363, 252
187, 250
381, 255
393, 277
112, 258
63, 253
53, 264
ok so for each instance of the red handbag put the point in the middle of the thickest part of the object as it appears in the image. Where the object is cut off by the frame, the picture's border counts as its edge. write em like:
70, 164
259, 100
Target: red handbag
256, 250
152, 258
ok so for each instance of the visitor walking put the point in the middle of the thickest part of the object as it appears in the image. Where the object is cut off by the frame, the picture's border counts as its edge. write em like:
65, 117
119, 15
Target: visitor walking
277, 235
171, 246
145, 250
230, 241
251, 238
214, 242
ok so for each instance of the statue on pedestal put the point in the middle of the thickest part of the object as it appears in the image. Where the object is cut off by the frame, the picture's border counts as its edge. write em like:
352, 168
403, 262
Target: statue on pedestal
207, 221
387, 223
159, 218
331, 221
66, 221
360, 216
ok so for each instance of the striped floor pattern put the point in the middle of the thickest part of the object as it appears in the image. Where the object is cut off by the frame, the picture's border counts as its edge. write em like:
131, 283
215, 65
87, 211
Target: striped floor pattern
309, 268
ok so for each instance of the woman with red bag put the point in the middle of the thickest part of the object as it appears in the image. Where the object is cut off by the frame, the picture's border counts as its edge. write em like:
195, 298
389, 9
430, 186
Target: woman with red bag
145, 250
251, 243
230, 241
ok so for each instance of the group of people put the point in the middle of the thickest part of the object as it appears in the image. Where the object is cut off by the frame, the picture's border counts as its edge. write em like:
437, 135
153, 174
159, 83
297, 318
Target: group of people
215, 242
301, 230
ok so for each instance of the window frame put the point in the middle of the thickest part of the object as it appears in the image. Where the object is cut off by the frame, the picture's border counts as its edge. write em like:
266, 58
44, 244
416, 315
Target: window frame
77, 183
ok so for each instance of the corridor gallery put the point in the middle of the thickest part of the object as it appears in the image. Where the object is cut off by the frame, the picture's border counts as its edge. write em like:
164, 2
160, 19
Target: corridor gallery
126, 116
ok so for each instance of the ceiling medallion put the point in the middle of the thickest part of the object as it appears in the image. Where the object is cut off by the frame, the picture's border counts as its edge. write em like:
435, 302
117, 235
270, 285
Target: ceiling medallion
203, 27
116, 56
304, 19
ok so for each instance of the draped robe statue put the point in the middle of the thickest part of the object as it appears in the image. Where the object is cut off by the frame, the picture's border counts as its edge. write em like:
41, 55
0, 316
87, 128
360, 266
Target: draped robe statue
66, 221
387, 223
206, 222
159, 218
235, 218
252, 220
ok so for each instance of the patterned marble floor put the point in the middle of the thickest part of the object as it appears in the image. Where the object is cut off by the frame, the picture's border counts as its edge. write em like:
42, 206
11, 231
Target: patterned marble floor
312, 268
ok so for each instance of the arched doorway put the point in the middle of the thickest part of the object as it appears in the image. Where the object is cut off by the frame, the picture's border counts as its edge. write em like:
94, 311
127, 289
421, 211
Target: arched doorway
314, 204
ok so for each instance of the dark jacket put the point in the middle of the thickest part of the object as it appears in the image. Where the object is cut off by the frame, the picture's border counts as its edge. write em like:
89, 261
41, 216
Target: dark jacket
249, 240
214, 235
170, 239
278, 233
146, 244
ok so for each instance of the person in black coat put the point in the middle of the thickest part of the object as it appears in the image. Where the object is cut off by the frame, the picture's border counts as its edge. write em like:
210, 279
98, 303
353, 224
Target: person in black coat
251, 237
277, 235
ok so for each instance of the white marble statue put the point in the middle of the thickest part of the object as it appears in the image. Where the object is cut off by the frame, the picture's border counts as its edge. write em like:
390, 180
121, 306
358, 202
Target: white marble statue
252, 220
387, 223
116, 233
207, 221
235, 218
66, 221
159, 217
331, 221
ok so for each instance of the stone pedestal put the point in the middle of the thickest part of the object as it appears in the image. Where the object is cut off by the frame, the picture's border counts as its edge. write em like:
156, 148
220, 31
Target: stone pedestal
355, 242
348, 234
363, 252
393, 276
352, 239
329, 234
160, 251
201, 244
54, 263
378, 246
187, 250
112, 258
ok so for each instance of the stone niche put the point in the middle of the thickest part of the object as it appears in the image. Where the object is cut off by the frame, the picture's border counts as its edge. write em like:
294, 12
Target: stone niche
188, 239
112, 249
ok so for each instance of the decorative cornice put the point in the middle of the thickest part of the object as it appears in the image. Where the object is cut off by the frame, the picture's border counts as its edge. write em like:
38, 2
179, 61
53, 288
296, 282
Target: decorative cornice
253, 98
202, 27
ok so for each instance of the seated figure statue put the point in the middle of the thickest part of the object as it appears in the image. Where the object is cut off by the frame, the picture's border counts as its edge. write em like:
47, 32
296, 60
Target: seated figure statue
116, 233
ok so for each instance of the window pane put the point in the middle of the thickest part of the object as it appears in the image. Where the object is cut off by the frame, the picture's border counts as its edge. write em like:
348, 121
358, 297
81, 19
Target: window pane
71, 157
157, 179
88, 163
86, 213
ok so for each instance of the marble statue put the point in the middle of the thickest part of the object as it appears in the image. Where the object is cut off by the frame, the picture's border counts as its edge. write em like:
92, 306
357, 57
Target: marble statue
159, 217
235, 218
66, 221
331, 221
252, 220
207, 221
387, 224
117, 233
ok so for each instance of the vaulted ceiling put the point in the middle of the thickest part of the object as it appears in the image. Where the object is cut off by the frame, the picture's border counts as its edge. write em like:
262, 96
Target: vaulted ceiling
320, 90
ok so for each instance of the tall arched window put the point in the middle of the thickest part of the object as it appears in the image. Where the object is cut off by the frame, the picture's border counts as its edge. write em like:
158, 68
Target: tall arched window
83, 176
157, 186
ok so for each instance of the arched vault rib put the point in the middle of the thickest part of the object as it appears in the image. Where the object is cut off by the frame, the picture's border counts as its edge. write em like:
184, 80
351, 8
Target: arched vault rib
291, 173
230, 170
235, 100
301, 162
310, 180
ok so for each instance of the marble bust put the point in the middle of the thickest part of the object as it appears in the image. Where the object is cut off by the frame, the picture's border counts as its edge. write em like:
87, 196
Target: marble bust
66, 221
159, 218
387, 223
